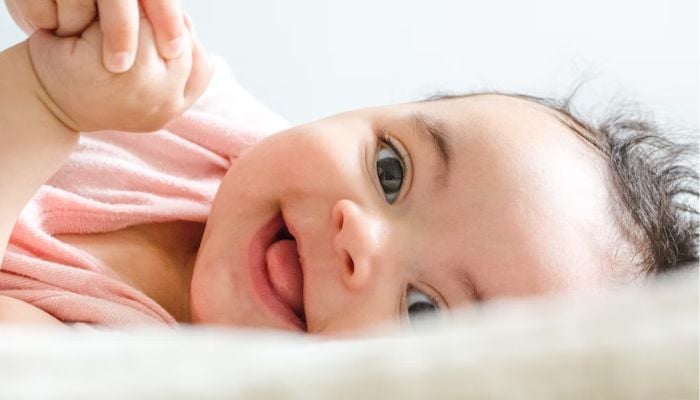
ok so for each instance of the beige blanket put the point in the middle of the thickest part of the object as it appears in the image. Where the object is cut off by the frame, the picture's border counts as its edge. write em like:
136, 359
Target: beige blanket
632, 343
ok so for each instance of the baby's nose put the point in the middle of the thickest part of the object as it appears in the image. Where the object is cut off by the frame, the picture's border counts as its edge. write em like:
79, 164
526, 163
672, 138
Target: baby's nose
358, 241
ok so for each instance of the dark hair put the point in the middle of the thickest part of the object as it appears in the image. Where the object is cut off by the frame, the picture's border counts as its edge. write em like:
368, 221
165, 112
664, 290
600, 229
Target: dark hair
653, 177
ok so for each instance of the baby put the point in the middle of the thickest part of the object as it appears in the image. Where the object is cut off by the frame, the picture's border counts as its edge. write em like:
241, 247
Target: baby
377, 216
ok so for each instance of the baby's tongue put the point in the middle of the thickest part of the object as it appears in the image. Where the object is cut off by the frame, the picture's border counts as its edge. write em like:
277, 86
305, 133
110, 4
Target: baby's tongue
285, 273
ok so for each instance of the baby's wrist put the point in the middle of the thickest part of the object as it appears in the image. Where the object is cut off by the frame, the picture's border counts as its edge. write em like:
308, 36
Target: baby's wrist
19, 74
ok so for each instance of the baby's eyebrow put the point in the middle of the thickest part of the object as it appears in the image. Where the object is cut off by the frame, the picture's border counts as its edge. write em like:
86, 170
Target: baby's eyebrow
434, 131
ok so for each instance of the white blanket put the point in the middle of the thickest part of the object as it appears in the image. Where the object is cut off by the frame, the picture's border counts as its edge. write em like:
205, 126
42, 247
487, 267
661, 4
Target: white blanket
631, 343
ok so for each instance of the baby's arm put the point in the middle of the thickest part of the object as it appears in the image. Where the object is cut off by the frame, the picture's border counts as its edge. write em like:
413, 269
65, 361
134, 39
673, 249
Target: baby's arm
33, 142
52, 87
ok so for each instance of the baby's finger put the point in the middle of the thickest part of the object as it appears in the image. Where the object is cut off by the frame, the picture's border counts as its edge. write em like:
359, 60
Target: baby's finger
39, 14
74, 16
167, 21
120, 25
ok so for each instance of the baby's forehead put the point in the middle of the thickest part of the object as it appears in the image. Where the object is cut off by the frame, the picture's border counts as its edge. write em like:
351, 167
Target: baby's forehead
494, 104
521, 163
521, 140
504, 113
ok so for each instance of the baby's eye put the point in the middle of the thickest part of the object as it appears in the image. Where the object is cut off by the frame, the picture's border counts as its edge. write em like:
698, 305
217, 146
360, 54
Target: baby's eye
419, 305
390, 170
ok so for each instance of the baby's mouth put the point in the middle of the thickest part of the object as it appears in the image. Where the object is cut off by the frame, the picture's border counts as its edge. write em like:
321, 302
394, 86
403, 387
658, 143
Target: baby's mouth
285, 272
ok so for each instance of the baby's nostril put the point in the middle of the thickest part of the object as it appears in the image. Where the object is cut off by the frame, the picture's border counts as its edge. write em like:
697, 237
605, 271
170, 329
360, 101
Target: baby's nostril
349, 263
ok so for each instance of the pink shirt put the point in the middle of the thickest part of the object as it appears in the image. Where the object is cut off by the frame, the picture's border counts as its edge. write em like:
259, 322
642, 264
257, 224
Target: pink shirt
114, 180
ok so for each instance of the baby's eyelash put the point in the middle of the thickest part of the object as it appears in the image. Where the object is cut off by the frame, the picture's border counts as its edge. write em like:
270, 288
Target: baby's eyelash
386, 139
439, 298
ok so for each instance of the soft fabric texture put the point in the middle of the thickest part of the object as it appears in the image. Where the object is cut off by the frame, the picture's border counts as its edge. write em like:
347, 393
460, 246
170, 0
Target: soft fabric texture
114, 180
634, 343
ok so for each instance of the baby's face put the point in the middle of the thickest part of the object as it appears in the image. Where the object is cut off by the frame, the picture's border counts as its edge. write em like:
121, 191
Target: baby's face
402, 211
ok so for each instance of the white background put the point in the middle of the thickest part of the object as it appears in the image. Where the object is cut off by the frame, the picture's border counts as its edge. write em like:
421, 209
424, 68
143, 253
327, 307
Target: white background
306, 59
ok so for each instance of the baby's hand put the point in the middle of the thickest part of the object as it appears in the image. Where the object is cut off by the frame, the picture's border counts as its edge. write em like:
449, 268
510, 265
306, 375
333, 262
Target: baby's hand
119, 19
86, 97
